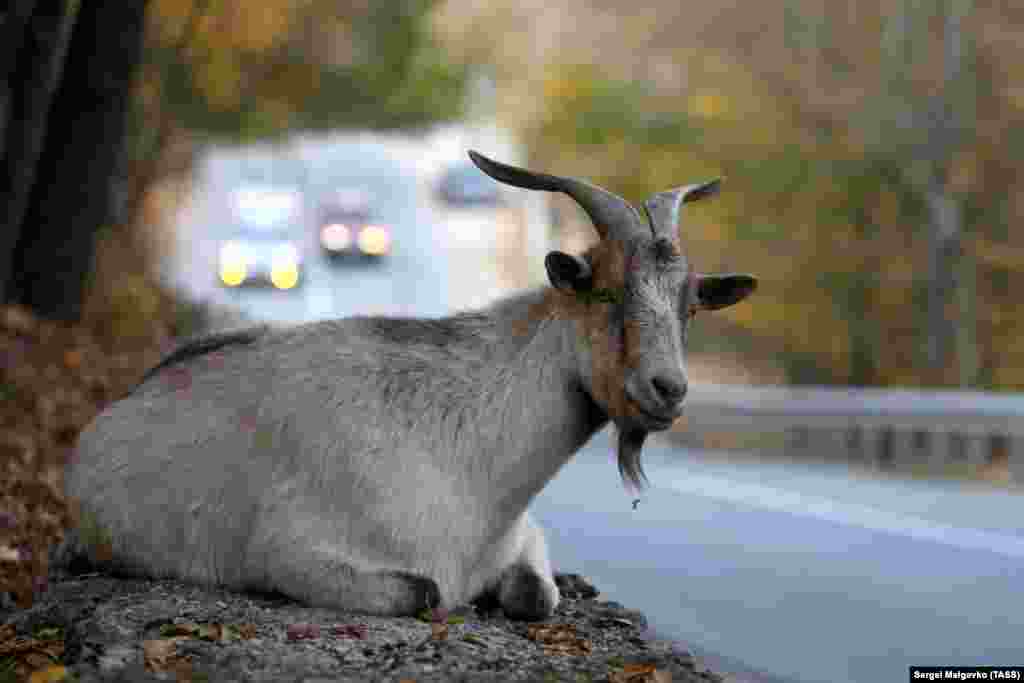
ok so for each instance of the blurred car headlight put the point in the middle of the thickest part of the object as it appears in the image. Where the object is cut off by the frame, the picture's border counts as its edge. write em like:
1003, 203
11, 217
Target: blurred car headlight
335, 237
285, 276
232, 267
374, 240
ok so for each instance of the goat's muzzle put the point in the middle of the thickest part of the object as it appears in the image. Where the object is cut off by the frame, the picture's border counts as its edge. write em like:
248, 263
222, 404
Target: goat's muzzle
656, 398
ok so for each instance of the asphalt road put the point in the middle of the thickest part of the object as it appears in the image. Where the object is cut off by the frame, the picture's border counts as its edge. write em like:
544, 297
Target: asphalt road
802, 573
807, 572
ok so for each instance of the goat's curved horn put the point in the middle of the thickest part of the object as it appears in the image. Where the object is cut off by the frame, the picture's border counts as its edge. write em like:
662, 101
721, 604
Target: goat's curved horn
663, 208
612, 215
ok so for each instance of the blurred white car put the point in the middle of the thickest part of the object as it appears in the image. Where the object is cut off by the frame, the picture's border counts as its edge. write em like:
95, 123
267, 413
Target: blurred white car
263, 246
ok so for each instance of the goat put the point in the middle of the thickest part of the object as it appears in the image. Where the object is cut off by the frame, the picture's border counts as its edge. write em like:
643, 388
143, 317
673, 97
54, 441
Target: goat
384, 465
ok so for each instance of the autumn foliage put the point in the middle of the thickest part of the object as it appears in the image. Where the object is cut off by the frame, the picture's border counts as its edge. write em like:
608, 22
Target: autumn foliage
869, 154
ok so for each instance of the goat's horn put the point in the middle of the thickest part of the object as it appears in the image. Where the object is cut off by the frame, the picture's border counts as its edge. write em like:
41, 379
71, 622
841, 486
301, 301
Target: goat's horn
612, 215
663, 208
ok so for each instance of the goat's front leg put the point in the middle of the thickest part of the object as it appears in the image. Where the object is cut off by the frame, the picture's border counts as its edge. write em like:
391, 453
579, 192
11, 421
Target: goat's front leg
321, 575
527, 589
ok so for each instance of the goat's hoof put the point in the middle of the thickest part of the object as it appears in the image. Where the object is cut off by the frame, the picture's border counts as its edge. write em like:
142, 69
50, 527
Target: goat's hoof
527, 596
424, 592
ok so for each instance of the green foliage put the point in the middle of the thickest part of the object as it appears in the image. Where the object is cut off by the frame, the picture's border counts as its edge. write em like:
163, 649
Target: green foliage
8, 669
216, 71
42, 632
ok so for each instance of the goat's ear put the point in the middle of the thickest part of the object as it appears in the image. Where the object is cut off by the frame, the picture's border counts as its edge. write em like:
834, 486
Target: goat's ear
568, 273
722, 291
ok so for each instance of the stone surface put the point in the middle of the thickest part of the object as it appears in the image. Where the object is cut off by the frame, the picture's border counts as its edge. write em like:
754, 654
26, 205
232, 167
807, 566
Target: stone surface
126, 629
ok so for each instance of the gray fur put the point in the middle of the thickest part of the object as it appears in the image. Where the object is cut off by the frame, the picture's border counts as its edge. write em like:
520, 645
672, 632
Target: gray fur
421, 460
386, 465
205, 344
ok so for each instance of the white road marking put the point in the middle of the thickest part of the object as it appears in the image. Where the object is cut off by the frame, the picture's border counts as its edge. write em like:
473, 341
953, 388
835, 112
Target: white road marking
864, 516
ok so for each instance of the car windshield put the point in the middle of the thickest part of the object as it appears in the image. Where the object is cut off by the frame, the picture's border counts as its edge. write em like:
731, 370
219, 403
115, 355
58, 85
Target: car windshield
331, 215
262, 233
265, 212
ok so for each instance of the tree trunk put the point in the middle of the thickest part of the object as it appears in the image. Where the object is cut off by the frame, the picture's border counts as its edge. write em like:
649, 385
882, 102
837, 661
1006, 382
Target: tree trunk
72, 194
12, 33
864, 330
35, 44
944, 250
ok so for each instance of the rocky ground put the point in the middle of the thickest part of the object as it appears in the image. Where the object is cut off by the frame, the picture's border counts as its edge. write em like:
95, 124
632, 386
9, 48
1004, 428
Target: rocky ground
93, 628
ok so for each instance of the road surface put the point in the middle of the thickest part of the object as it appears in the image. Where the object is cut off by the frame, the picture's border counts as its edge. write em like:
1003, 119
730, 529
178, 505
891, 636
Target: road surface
805, 571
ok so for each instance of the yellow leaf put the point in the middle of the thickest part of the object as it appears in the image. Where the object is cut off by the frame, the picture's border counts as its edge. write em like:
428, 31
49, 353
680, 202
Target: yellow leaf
708, 105
51, 674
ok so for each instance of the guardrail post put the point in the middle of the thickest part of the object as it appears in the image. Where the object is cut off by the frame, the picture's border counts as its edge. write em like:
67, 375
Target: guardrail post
957, 447
799, 438
977, 451
1015, 459
828, 443
884, 458
855, 443
869, 445
941, 452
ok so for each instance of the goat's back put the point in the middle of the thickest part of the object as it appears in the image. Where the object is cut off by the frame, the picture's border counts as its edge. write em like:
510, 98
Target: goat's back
182, 472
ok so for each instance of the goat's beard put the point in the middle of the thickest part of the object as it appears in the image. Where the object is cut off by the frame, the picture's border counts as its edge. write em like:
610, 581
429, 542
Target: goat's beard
630, 445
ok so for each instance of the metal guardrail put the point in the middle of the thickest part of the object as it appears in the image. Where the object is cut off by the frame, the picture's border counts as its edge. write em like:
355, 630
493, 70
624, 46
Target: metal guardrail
880, 426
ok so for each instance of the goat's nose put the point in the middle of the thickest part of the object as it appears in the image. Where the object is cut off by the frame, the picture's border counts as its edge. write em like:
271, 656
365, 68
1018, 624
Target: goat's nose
668, 389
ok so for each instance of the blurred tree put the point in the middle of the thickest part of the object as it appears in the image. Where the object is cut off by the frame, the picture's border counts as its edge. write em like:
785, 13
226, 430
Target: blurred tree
870, 153
32, 48
74, 165
72, 145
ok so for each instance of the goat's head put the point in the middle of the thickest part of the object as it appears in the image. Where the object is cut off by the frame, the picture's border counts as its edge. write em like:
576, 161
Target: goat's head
632, 295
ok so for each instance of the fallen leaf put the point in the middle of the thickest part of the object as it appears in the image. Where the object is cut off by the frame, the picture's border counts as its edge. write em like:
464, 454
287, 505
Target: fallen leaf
639, 673
162, 655
247, 631
474, 639
23, 656
51, 674
49, 633
303, 631
73, 359
439, 631
560, 639
354, 631
212, 631
184, 629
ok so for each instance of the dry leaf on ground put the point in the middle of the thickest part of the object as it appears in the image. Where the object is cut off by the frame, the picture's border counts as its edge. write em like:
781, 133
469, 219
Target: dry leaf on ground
303, 631
50, 674
212, 631
639, 673
354, 631
162, 655
559, 639
24, 656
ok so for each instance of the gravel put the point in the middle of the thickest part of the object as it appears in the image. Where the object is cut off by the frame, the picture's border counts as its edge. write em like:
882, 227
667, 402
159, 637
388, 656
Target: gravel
116, 629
